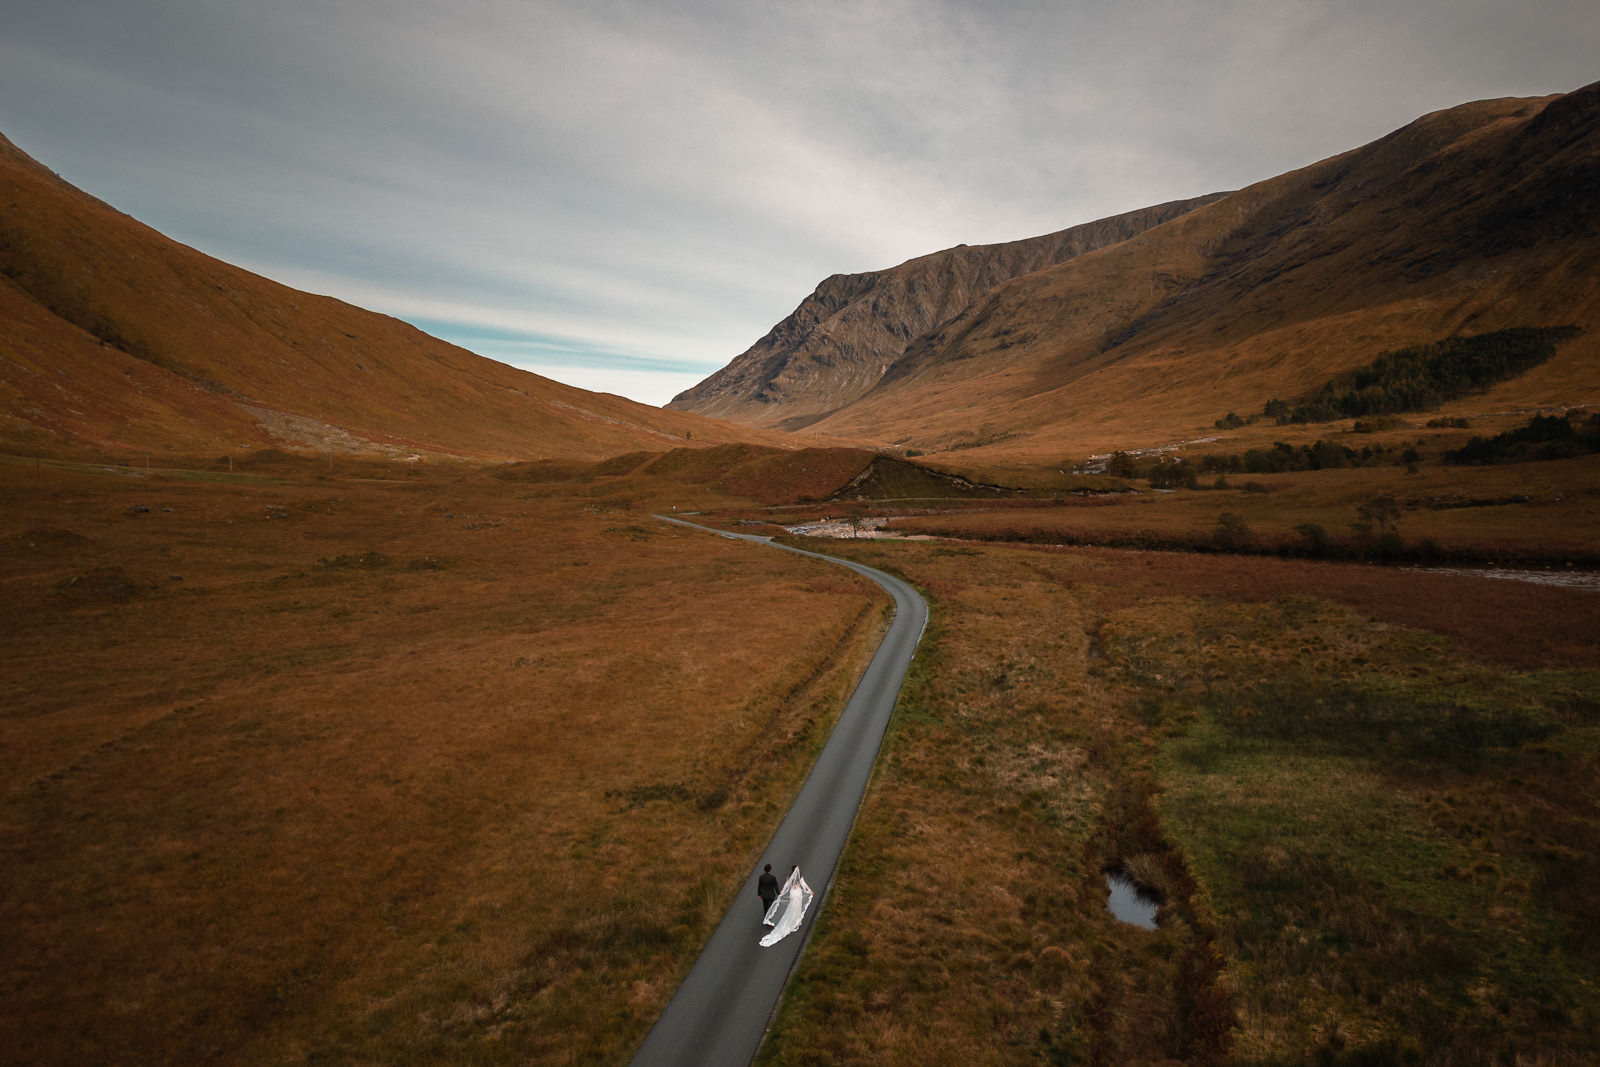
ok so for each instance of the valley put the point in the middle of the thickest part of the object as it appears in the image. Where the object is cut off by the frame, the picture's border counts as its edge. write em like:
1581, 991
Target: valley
312, 763
357, 707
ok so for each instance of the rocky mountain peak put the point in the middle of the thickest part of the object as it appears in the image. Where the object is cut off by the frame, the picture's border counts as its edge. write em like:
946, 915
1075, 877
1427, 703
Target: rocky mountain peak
844, 337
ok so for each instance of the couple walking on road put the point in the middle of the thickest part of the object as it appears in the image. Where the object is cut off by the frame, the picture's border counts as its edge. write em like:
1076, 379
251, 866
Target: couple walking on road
782, 907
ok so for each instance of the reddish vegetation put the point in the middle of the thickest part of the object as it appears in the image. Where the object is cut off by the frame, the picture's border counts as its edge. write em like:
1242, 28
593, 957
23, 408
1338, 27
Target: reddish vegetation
767, 475
1521, 625
399, 762
1540, 515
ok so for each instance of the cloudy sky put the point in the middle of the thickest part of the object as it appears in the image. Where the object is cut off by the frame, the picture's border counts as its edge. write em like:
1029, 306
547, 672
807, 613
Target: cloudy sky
626, 195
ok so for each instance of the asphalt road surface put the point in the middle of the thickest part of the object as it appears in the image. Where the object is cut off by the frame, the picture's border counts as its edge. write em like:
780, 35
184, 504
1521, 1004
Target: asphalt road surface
720, 1013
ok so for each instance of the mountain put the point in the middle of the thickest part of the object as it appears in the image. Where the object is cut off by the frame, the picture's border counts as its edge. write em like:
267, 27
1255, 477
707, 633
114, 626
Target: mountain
114, 337
842, 339
1468, 220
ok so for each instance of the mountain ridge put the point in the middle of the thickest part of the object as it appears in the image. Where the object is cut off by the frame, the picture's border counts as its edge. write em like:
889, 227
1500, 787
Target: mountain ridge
1468, 219
855, 325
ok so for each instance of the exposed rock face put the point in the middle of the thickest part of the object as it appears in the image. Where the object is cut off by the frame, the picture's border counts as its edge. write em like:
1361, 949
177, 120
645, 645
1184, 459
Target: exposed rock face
841, 340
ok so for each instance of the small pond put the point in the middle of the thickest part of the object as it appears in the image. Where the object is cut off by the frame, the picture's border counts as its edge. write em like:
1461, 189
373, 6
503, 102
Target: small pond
1129, 902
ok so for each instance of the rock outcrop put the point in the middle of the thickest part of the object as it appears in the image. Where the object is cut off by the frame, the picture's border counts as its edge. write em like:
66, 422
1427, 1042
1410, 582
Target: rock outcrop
843, 338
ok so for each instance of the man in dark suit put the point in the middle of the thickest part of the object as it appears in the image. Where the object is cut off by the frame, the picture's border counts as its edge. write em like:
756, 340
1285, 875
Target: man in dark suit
767, 889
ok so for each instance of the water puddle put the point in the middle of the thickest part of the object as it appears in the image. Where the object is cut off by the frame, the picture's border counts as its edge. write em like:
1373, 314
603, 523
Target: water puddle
1568, 579
867, 529
1130, 903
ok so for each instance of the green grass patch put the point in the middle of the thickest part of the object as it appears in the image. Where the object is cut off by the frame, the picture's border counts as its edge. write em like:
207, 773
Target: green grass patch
1383, 859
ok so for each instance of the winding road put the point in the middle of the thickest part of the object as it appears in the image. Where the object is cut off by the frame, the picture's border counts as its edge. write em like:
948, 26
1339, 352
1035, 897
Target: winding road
720, 1013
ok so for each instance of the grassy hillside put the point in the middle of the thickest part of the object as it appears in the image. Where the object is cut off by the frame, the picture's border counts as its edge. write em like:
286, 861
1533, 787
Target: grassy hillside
115, 339
841, 478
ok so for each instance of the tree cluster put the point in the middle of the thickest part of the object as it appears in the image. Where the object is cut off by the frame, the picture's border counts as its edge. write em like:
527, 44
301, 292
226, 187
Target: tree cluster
1282, 457
1168, 472
1544, 437
1420, 377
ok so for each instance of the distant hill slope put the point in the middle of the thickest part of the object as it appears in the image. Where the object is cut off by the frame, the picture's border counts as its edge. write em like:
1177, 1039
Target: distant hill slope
777, 477
842, 338
1468, 220
112, 336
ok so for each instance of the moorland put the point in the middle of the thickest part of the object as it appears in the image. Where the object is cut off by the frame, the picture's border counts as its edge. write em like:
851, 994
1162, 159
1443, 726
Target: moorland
383, 764
402, 762
356, 708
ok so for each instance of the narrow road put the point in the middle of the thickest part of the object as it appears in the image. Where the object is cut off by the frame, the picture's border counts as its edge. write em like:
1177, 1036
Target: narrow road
720, 1013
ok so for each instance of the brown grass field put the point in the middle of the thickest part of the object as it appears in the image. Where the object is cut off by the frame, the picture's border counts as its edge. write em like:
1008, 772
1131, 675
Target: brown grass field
385, 765
1371, 822
367, 762
1542, 512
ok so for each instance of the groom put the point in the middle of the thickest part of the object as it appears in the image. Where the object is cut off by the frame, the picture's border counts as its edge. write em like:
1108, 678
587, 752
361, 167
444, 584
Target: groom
767, 889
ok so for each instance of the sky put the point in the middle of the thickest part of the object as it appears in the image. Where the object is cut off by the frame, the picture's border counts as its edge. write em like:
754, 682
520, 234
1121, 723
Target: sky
624, 196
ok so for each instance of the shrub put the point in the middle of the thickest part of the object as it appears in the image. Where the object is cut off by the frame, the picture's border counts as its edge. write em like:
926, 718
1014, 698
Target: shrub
1122, 465
1382, 422
1381, 511
1174, 474
1544, 437
1231, 533
1317, 541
